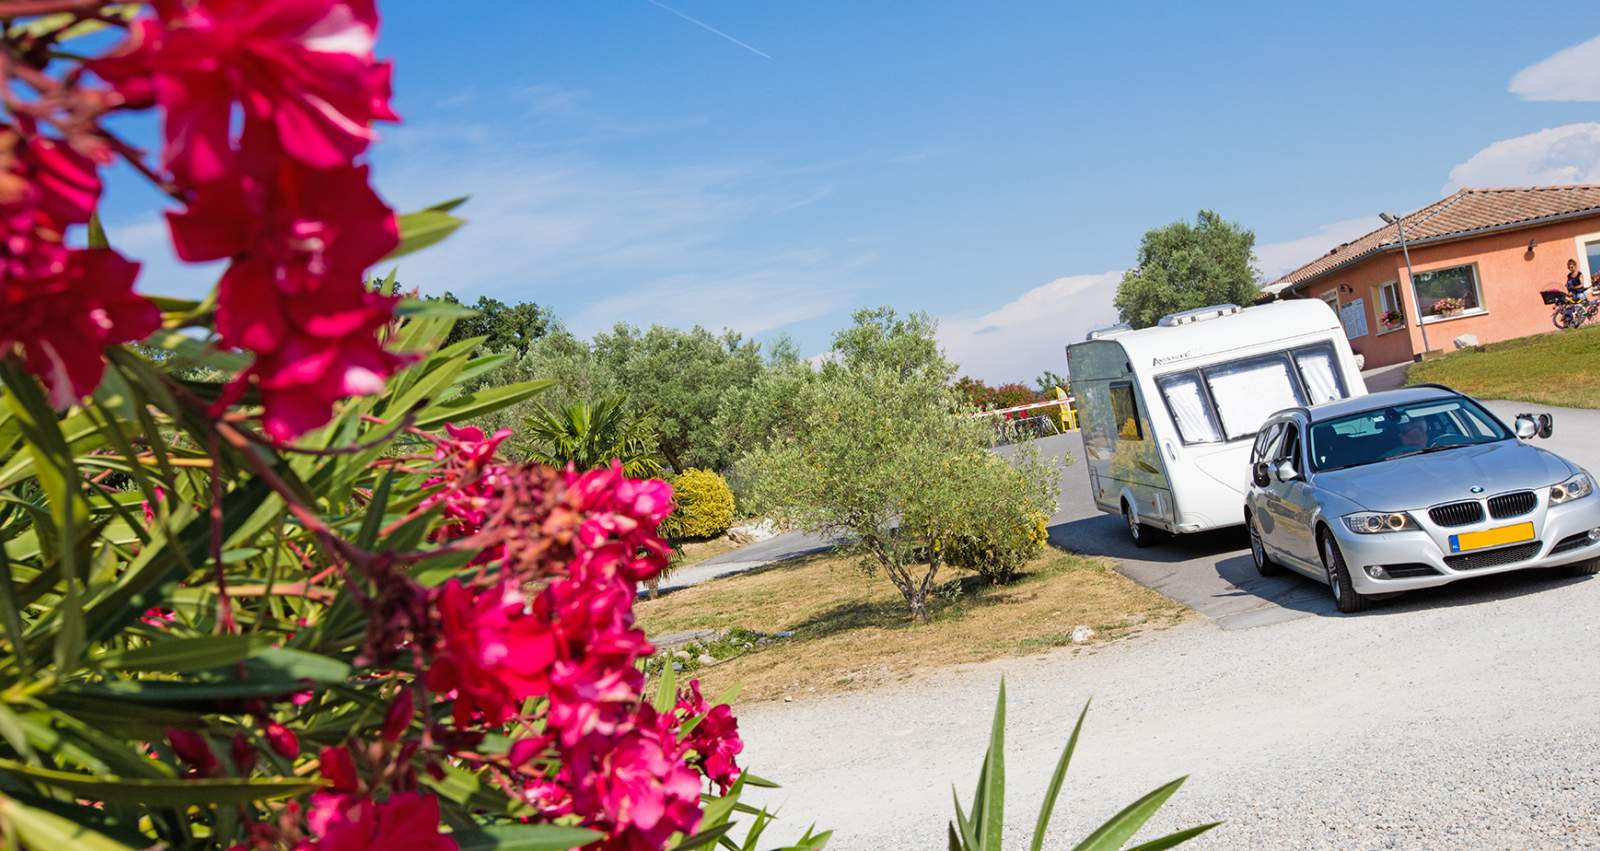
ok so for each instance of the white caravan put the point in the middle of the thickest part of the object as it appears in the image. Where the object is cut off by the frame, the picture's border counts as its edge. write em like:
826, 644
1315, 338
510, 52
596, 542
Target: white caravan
1168, 413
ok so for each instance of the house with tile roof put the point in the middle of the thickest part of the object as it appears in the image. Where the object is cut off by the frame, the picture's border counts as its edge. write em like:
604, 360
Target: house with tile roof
1480, 257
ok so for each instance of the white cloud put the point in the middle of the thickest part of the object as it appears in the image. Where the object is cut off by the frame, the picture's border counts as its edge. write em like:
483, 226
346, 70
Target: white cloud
1029, 334
1566, 154
1274, 259
1570, 75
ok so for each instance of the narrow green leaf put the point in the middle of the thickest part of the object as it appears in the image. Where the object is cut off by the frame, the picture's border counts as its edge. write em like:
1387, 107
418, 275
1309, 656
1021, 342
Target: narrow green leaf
10, 614
1121, 827
170, 793
991, 821
667, 689
525, 837
479, 403
705, 837
423, 228
184, 655
447, 206
1174, 839
37, 828
969, 838
286, 664
97, 232
1056, 781
373, 521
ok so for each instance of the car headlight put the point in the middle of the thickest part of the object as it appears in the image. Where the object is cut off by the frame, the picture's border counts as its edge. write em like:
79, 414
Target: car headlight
1372, 522
1577, 487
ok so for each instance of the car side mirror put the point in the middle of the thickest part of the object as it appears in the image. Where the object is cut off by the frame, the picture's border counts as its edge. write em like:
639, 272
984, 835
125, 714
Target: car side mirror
1261, 473
1547, 425
1286, 471
1526, 427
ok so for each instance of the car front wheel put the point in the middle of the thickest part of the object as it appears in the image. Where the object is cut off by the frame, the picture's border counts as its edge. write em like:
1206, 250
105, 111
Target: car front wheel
1582, 568
1345, 595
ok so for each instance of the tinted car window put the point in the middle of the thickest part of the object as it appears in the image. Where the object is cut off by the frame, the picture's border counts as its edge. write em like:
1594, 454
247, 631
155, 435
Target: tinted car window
1396, 431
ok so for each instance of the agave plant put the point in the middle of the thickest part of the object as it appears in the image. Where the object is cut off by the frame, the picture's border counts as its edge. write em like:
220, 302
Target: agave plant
589, 435
982, 830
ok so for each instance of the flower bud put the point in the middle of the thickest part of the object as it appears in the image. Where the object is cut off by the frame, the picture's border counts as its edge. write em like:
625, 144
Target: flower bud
398, 719
339, 767
282, 740
244, 753
191, 747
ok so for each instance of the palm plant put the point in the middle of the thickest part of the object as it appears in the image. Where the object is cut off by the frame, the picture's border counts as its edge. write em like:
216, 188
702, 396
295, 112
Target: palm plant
588, 435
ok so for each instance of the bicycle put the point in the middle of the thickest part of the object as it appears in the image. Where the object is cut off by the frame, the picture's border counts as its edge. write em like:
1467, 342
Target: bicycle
1569, 311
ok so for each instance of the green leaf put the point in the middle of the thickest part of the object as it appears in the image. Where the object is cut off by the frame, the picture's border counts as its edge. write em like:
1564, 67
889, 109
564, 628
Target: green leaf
162, 793
447, 206
479, 403
37, 828
97, 232
525, 837
372, 523
667, 689
1174, 839
1056, 780
10, 614
1121, 827
990, 817
424, 228
704, 838
289, 665
183, 655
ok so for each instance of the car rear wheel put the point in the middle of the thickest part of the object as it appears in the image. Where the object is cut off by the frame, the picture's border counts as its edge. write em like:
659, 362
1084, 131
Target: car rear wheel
1143, 534
1258, 551
1345, 595
1582, 568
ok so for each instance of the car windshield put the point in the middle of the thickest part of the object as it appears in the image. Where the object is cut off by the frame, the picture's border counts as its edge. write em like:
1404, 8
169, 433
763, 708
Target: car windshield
1396, 431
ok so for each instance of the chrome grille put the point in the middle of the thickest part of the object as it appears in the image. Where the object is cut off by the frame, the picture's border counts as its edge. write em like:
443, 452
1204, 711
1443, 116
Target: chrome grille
1457, 513
1493, 558
1512, 504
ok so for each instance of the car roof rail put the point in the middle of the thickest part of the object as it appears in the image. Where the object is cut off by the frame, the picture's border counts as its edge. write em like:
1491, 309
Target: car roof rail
1434, 385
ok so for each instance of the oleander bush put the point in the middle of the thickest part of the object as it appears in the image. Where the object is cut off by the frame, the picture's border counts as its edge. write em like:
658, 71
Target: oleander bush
257, 590
704, 506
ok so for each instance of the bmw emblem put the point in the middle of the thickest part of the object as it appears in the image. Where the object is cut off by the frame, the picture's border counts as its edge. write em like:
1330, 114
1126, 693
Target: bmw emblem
1477, 488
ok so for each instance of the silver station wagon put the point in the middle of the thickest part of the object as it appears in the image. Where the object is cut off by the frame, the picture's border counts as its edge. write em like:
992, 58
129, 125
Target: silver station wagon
1413, 488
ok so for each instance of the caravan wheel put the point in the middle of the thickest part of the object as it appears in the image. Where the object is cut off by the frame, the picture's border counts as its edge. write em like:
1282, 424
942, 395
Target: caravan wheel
1143, 535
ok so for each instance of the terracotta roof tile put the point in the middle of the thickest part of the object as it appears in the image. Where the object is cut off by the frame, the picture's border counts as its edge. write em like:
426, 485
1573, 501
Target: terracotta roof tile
1461, 214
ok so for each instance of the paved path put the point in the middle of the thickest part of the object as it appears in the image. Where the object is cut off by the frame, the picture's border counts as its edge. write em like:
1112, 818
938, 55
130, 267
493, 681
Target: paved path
785, 546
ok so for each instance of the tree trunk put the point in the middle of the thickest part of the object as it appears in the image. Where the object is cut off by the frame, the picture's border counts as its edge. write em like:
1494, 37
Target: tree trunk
917, 599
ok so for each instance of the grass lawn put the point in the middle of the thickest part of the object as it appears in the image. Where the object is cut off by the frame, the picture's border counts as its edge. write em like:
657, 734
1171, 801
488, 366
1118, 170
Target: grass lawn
851, 630
1561, 368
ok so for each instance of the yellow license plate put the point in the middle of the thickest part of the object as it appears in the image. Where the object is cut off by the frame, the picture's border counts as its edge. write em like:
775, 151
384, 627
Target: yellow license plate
1491, 537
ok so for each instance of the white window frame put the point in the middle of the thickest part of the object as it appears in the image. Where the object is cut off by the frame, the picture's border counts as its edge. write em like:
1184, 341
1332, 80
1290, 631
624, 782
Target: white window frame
1581, 242
1379, 309
1477, 285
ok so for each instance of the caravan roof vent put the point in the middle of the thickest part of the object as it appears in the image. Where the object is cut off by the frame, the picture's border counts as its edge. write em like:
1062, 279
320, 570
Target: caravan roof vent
1199, 314
1108, 331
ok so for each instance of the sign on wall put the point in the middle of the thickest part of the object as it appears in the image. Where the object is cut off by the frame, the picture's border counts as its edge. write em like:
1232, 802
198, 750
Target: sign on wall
1354, 317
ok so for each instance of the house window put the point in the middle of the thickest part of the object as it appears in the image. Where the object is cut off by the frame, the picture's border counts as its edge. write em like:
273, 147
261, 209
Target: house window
1125, 412
1591, 252
1391, 310
1448, 292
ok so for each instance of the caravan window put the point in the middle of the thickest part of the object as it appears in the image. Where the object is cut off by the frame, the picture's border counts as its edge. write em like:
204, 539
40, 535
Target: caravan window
1190, 409
1246, 392
1319, 371
1125, 412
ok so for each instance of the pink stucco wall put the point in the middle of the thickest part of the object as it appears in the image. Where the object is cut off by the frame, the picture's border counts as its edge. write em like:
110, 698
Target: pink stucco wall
1509, 274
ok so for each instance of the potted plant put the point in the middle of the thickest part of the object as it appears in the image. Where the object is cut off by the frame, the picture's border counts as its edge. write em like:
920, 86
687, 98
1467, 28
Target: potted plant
1391, 318
1449, 306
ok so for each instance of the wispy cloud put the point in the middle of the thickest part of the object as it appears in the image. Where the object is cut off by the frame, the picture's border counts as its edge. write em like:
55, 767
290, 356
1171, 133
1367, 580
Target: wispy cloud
708, 28
1274, 259
1572, 74
1029, 334
1566, 154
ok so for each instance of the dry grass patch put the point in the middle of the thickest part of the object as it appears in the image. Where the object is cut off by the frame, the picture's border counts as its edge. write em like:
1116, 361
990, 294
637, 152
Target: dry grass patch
851, 630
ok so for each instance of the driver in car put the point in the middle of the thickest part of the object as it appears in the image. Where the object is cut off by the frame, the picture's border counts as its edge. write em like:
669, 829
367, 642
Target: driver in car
1413, 435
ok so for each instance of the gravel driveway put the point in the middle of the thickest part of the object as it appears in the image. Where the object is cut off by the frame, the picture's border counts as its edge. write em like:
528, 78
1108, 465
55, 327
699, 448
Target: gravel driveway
1463, 717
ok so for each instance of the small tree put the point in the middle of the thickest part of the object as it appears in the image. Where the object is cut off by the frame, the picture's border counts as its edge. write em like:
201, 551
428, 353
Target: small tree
505, 327
1183, 266
884, 465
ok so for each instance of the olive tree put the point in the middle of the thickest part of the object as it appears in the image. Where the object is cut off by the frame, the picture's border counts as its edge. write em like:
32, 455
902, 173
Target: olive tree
892, 468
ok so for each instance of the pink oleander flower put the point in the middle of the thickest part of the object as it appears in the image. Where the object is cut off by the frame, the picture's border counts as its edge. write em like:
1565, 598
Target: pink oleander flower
301, 70
345, 822
192, 748
492, 654
282, 740
637, 785
63, 323
715, 738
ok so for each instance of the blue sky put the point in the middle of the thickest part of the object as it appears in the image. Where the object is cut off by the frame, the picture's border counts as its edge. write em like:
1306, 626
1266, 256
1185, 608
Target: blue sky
992, 164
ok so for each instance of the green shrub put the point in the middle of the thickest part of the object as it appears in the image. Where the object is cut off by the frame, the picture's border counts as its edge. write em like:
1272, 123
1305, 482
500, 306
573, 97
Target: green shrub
997, 547
705, 506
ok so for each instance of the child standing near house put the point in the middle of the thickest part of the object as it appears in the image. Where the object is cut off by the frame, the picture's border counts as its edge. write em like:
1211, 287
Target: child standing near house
1574, 278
